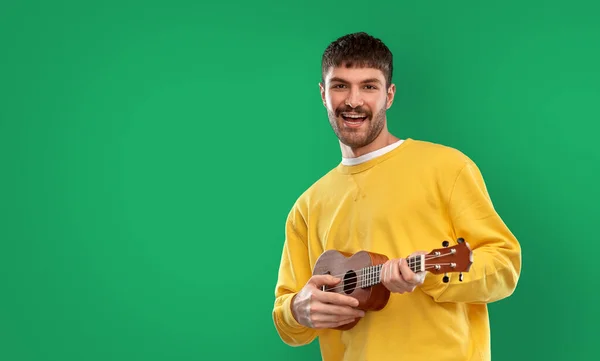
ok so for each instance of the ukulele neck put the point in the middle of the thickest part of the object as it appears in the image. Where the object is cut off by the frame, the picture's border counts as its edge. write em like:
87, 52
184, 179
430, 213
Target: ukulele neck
371, 275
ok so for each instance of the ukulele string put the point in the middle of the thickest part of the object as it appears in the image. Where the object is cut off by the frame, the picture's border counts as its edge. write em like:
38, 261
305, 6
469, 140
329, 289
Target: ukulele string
411, 262
369, 277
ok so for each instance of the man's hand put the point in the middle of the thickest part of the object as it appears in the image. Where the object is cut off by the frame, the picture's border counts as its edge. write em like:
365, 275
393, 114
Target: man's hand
314, 308
397, 277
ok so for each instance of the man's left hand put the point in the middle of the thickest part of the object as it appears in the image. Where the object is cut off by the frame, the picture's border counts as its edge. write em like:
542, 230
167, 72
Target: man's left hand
397, 277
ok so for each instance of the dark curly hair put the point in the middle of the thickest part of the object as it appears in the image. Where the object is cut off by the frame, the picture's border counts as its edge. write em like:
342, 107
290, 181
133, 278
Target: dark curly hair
358, 49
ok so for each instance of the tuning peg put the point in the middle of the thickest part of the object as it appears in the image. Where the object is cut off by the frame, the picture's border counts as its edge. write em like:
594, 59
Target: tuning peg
445, 243
446, 279
460, 277
460, 240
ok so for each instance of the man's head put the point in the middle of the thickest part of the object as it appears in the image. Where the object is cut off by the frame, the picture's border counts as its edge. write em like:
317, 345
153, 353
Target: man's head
357, 87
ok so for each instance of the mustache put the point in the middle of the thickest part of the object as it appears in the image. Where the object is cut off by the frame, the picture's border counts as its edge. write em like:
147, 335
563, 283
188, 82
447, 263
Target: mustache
347, 109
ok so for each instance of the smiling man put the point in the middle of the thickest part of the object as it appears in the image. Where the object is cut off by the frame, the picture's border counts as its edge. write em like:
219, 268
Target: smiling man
396, 197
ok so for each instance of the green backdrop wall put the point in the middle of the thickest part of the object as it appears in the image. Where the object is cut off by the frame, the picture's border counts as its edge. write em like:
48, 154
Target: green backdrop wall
150, 152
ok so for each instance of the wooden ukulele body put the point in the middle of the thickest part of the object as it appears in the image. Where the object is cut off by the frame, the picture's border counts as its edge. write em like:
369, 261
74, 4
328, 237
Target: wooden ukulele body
347, 267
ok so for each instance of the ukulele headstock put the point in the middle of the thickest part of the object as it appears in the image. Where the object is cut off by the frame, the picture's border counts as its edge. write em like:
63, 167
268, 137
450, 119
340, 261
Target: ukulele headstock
458, 258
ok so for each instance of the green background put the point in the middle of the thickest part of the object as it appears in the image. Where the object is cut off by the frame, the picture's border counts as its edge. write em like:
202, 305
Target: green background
150, 152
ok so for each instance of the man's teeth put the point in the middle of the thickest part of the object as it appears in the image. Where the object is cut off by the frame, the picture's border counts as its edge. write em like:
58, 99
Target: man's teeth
353, 116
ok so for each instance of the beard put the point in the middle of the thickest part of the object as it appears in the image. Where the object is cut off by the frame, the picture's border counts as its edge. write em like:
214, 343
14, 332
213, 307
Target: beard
361, 136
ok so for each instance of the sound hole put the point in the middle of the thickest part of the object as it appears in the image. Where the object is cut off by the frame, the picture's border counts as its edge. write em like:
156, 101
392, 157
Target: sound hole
350, 280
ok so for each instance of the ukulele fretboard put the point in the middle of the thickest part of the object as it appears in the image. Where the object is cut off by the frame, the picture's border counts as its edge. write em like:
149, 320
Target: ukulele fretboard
370, 276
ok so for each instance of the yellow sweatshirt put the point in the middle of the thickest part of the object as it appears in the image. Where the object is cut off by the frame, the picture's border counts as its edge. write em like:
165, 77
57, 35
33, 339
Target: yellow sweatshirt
411, 198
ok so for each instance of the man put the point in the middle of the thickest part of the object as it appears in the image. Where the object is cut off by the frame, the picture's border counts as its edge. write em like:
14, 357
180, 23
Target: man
396, 197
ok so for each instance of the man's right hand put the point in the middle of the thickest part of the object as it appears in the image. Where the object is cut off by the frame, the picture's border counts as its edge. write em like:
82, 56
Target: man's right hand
314, 308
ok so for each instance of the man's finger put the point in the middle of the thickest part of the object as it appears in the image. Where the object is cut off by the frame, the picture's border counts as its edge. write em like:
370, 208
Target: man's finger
323, 317
323, 280
399, 280
395, 271
336, 299
329, 309
386, 271
407, 274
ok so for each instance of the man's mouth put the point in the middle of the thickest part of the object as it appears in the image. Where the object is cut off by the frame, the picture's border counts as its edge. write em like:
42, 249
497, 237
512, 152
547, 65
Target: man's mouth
354, 119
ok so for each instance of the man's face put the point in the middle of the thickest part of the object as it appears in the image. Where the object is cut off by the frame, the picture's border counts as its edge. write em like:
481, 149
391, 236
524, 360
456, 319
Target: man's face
356, 100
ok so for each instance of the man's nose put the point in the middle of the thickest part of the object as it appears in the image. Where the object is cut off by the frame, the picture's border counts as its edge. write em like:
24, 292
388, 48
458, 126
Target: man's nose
354, 99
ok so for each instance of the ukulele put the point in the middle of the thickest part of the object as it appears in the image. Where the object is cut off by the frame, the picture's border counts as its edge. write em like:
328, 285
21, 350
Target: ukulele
360, 272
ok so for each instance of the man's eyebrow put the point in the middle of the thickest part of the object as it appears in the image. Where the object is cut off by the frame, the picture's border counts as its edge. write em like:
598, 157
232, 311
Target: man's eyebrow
336, 79
370, 80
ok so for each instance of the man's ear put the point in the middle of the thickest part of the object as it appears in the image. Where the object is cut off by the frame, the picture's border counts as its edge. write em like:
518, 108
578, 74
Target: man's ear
391, 92
322, 89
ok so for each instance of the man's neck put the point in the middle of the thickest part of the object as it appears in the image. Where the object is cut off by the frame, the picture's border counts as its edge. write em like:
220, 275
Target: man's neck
382, 141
